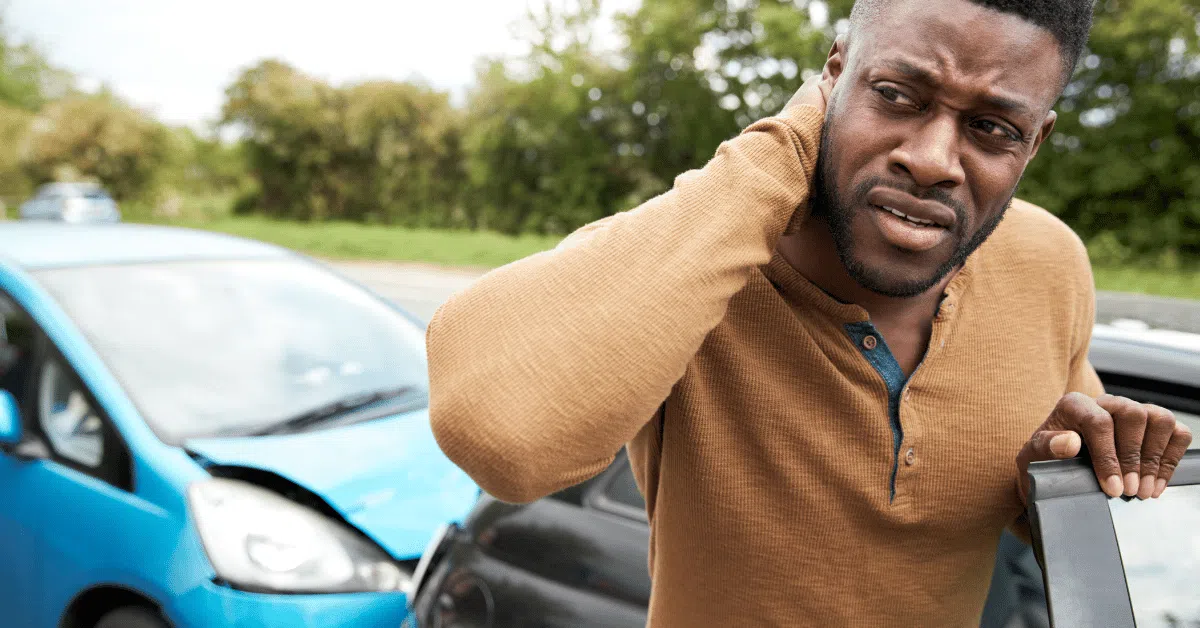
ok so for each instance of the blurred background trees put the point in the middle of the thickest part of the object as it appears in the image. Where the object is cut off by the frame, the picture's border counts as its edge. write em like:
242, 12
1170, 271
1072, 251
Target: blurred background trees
379, 152
577, 129
1123, 166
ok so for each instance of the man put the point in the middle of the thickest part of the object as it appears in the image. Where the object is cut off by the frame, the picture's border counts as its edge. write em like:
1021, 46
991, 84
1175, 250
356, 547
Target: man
825, 348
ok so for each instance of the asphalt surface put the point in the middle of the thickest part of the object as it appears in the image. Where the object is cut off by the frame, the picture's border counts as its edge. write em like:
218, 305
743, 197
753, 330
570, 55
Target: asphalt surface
421, 289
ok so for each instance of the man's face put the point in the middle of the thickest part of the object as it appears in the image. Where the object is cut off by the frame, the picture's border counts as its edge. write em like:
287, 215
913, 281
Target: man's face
938, 107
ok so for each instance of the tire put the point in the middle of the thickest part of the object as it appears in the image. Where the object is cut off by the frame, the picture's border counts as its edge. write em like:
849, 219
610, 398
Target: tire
132, 617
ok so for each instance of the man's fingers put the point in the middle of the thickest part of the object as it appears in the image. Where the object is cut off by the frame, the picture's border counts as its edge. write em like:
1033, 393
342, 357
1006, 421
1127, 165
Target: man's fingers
1181, 437
1080, 413
1160, 427
1129, 426
814, 92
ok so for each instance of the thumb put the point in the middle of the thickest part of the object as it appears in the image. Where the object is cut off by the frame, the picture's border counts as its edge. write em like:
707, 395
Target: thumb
1045, 445
1050, 445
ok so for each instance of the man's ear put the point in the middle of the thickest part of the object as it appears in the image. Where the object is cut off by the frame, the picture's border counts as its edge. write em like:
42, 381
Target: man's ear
1043, 133
836, 61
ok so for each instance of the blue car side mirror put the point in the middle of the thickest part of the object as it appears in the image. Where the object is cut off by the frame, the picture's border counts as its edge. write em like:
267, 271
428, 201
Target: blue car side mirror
10, 420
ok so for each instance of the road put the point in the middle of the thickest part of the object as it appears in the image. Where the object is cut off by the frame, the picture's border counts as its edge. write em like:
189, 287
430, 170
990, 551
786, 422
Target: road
422, 288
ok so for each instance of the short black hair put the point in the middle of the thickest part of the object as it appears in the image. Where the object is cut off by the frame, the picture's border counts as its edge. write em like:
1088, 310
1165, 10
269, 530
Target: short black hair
1069, 21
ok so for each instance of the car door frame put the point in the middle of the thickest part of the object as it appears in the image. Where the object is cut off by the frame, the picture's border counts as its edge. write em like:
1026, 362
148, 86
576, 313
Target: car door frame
1076, 542
45, 349
55, 336
116, 467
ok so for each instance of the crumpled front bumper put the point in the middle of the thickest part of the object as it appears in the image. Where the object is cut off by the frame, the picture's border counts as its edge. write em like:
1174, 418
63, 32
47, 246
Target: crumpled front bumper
214, 605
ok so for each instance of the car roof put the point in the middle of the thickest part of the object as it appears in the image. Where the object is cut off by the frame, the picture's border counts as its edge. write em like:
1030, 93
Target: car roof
1133, 349
39, 245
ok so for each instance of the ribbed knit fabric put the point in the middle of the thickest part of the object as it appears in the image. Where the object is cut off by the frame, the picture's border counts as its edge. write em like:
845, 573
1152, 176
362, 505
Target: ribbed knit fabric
757, 428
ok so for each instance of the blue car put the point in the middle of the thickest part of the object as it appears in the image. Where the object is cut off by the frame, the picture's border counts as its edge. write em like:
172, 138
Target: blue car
200, 430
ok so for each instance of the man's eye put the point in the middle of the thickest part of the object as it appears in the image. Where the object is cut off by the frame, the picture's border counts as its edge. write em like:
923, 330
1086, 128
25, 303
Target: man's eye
997, 130
891, 94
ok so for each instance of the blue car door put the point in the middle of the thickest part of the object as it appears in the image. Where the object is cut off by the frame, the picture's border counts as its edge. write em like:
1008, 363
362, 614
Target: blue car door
68, 507
18, 559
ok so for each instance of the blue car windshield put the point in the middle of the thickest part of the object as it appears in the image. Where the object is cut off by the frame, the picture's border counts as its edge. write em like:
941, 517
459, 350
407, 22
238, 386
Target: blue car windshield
214, 348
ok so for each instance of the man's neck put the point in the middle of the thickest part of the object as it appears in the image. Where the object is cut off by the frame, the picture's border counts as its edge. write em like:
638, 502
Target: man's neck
812, 252
905, 323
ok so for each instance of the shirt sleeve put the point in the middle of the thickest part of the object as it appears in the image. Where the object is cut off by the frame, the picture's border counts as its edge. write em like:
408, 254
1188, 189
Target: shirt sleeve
542, 369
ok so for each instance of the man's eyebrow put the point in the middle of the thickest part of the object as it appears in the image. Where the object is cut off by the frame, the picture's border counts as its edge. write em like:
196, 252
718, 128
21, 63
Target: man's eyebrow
995, 101
914, 72
1008, 104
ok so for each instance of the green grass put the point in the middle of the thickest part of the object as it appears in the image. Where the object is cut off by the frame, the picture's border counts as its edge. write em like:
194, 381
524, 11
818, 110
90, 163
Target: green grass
341, 240
488, 250
1182, 283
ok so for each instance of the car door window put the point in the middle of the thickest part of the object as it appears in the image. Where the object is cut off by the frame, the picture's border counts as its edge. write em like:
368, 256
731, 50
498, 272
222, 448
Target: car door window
72, 427
16, 347
1161, 556
1118, 562
56, 407
1193, 422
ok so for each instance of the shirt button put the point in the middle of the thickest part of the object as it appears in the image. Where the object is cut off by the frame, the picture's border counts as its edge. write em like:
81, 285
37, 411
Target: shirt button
870, 342
910, 458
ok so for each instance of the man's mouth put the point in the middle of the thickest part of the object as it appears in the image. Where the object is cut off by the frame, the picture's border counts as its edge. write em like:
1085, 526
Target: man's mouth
910, 209
909, 232
916, 221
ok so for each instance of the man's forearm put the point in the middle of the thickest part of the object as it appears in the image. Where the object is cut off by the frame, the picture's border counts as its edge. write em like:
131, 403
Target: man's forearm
544, 368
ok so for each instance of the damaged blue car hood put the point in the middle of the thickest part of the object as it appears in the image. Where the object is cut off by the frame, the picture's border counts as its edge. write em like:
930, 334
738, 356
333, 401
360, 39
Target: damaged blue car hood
388, 477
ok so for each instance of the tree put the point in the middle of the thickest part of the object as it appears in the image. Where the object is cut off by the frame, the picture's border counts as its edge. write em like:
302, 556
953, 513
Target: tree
27, 80
701, 70
381, 150
555, 138
97, 137
410, 137
1123, 166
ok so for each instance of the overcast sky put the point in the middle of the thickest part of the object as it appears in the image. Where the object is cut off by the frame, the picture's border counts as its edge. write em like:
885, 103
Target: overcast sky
175, 57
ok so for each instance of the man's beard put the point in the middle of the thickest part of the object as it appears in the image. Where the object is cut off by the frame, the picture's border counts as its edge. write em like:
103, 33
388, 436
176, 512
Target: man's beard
827, 204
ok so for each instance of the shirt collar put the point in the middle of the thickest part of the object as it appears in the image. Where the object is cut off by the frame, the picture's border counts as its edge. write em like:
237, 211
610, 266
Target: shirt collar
799, 290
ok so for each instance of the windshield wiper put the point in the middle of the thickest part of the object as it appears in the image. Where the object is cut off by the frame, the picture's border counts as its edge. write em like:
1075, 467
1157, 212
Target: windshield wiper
335, 409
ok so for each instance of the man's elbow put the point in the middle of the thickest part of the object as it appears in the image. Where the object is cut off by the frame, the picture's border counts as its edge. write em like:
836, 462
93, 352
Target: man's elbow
495, 461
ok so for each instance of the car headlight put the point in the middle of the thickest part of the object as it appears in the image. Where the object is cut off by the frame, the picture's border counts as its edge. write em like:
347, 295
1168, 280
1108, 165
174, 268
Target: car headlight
261, 541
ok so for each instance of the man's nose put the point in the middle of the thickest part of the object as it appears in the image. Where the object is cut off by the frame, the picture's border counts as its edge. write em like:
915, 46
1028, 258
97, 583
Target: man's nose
931, 155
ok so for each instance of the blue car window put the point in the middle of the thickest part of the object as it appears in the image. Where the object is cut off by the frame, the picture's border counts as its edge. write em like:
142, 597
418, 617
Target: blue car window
16, 347
73, 428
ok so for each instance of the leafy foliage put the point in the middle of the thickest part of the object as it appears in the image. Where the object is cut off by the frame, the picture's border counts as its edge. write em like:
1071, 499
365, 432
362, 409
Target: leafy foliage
52, 131
549, 140
100, 138
1123, 166
574, 129
379, 151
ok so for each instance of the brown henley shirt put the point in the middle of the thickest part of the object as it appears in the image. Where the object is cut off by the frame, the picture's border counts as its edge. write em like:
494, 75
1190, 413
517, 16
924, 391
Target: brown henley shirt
780, 489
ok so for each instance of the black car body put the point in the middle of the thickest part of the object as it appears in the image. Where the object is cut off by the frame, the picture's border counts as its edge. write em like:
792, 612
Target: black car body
578, 558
